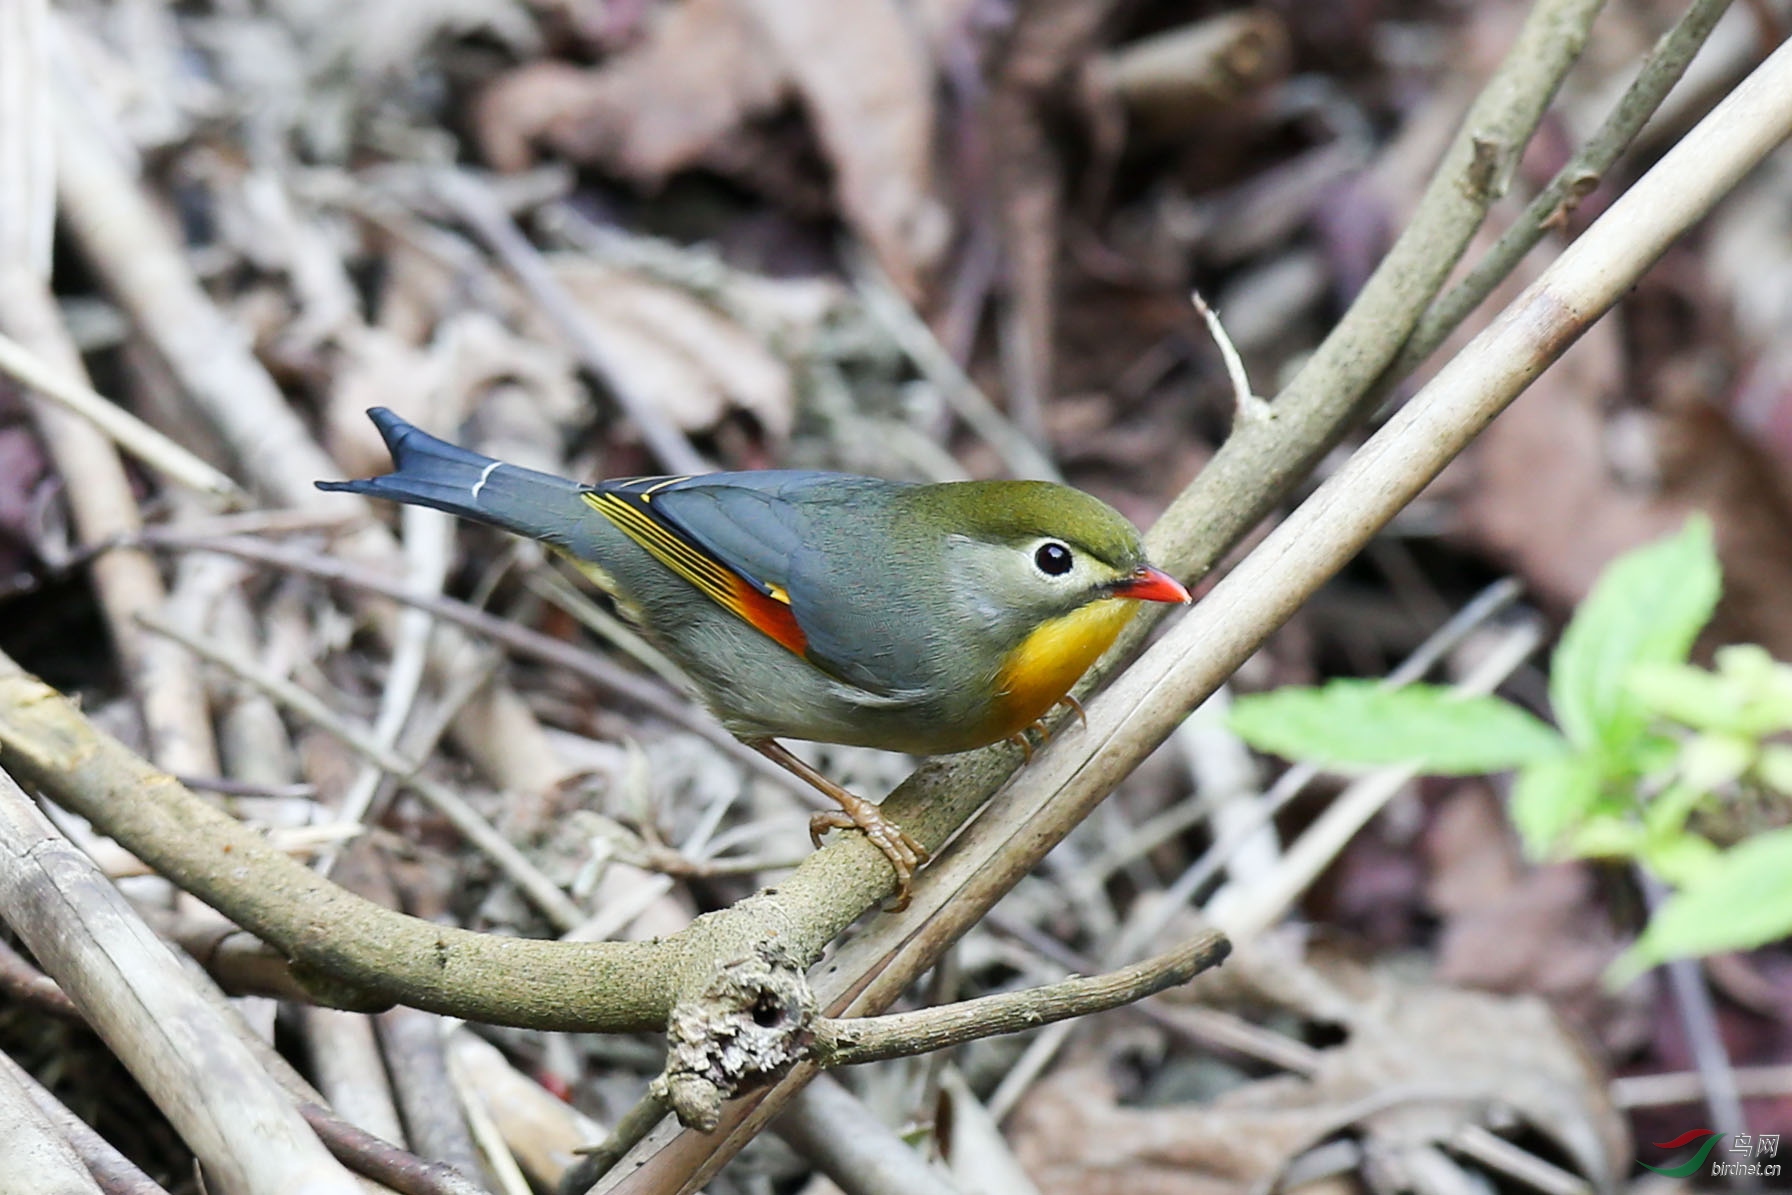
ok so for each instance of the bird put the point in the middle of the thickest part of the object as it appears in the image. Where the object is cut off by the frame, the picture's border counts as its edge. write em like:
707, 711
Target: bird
927, 618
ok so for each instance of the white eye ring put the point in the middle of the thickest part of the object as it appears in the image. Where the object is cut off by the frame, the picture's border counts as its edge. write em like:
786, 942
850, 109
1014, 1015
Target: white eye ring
1053, 558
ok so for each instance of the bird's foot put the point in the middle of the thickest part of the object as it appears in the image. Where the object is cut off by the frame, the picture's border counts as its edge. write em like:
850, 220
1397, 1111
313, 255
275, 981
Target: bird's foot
855, 813
899, 847
1019, 738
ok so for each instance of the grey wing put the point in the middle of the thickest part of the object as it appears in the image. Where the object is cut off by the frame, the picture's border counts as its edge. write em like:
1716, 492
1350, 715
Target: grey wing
782, 531
755, 523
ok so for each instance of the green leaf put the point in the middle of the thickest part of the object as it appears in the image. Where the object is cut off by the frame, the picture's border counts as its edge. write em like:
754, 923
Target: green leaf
1749, 694
1682, 859
1651, 755
1740, 901
1764, 685
1666, 814
1550, 797
1604, 836
1687, 695
1709, 762
1774, 768
1359, 723
1647, 607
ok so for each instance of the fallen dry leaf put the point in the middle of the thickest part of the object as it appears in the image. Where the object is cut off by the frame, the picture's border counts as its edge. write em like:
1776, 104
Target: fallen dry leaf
689, 360
439, 386
680, 96
867, 83
1509, 927
702, 68
1417, 1064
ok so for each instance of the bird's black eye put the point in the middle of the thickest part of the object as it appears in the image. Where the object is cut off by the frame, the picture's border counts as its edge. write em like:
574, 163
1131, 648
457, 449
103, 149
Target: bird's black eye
1053, 559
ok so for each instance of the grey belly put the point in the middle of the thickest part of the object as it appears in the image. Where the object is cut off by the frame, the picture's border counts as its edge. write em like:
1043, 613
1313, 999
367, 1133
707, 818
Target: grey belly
759, 689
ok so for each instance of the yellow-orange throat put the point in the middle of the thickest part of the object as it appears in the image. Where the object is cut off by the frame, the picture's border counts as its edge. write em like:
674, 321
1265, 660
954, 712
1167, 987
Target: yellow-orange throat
1049, 661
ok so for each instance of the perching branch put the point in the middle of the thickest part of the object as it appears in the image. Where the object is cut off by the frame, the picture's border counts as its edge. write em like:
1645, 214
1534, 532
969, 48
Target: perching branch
1200, 650
352, 952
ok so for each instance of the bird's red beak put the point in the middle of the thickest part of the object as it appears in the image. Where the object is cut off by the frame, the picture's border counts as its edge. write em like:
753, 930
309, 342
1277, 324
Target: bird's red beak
1149, 584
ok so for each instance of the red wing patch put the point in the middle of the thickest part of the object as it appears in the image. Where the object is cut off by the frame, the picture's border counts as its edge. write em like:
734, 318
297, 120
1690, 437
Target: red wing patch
767, 610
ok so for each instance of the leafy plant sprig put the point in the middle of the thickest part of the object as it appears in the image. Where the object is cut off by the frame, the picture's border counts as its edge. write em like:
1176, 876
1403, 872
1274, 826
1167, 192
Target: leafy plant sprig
1646, 741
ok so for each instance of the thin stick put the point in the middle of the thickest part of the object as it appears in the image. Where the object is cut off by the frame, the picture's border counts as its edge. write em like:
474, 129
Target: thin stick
629, 1131
1573, 182
912, 335
541, 891
97, 491
834, 1131
119, 425
473, 202
1688, 1087
1246, 405
136, 996
856, 1040
1501, 1155
1698, 1018
519, 639
557, 591
428, 543
116, 1174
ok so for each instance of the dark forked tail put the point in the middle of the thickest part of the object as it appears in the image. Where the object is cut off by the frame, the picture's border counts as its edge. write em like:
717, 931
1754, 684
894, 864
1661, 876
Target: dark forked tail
432, 472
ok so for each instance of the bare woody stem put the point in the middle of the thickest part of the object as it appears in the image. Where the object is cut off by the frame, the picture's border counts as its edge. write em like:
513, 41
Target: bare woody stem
854, 1040
1572, 183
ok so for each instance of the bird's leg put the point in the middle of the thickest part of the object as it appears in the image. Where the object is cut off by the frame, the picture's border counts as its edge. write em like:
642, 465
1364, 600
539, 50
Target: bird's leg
904, 853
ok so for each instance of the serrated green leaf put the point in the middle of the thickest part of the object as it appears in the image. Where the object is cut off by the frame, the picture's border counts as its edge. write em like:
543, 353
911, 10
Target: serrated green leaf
1549, 798
1356, 723
1740, 901
1647, 607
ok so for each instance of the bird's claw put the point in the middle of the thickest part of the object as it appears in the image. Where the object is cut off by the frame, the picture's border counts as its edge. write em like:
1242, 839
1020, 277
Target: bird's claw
1077, 706
903, 851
